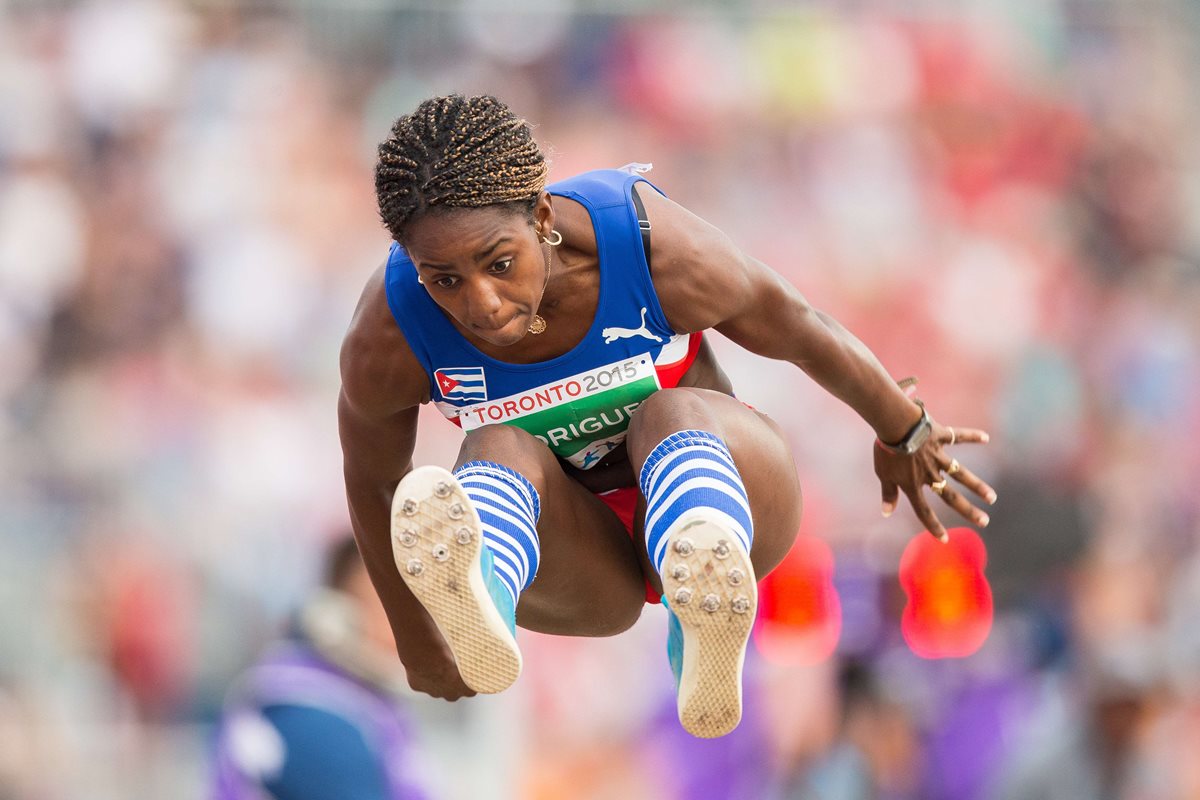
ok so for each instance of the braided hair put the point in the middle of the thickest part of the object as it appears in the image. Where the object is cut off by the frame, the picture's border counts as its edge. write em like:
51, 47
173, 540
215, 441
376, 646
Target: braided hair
457, 152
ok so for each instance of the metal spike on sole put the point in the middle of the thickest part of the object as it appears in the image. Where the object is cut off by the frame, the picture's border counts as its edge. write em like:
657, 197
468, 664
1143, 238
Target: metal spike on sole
431, 505
716, 618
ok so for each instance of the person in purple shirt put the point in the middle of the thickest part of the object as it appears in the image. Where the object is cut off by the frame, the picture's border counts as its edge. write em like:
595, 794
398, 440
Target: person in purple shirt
319, 716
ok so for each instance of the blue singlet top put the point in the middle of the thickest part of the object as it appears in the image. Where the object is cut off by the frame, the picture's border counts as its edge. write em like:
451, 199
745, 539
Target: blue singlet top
580, 402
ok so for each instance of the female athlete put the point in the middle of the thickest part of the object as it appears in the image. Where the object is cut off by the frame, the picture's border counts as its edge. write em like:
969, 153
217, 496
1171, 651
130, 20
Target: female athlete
561, 326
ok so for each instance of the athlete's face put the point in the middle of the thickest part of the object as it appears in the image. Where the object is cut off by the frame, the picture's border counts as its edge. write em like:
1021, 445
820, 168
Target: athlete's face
484, 266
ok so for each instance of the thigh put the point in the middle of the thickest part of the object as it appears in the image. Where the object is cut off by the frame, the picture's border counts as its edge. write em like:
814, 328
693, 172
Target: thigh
761, 452
589, 581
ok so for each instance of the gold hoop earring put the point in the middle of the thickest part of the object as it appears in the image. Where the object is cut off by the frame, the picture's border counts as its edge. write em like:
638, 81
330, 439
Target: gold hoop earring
420, 281
554, 239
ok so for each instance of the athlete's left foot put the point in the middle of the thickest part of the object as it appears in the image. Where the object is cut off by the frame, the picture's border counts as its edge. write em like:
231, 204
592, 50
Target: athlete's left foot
710, 591
439, 550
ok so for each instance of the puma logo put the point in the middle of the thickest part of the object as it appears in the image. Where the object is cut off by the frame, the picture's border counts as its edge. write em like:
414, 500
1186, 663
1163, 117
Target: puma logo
612, 334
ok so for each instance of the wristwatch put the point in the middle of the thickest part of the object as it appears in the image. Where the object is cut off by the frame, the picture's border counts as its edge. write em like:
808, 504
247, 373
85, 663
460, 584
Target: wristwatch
915, 437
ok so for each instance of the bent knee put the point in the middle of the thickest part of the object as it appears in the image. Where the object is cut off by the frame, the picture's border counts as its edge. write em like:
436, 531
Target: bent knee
503, 437
670, 410
679, 397
671, 407
510, 446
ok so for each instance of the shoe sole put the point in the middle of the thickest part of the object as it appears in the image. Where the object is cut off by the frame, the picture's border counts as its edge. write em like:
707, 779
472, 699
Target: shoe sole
715, 599
437, 542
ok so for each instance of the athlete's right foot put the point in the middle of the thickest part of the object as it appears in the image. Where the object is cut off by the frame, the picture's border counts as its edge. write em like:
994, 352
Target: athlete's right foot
711, 594
441, 555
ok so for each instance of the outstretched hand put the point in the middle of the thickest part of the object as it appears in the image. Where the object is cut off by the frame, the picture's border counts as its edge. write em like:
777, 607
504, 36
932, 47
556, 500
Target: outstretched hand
932, 467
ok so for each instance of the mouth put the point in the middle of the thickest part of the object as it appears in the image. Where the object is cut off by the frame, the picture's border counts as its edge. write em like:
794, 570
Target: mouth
504, 335
492, 328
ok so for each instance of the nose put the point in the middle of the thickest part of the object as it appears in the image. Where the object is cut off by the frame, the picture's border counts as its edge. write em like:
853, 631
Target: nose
483, 302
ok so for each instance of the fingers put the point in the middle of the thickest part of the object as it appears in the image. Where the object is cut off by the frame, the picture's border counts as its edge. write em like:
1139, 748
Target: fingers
968, 479
925, 515
891, 493
963, 506
976, 485
963, 436
951, 497
934, 468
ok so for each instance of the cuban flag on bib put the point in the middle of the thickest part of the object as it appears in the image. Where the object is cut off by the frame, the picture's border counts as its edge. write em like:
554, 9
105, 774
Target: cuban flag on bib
461, 383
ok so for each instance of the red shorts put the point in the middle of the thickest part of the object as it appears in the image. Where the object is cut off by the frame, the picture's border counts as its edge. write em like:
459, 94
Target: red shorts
623, 502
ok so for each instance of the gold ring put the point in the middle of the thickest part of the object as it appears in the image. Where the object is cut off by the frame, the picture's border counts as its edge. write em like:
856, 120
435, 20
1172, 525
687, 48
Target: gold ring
954, 467
953, 436
938, 486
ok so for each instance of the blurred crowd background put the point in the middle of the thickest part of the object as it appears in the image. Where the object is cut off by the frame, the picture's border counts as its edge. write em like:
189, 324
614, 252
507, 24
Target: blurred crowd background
1002, 198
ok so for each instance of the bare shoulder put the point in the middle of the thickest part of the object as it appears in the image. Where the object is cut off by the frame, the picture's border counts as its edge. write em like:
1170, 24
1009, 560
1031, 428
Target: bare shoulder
380, 374
701, 277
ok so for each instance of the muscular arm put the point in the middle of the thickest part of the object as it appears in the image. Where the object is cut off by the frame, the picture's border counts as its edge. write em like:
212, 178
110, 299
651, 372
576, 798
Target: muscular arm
383, 386
705, 281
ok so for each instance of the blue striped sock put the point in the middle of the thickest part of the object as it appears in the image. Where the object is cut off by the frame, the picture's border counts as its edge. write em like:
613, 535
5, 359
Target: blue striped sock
688, 470
508, 506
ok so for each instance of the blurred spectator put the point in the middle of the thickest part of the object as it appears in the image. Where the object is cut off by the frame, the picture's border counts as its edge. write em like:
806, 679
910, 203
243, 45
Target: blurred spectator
875, 756
1085, 744
321, 715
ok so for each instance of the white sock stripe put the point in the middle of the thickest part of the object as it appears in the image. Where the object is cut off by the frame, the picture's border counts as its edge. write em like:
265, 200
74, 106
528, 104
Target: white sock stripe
507, 476
509, 576
681, 440
510, 547
500, 541
667, 478
476, 482
695, 493
686, 438
662, 506
671, 449
479, 482
689, 475
501, 562
715, 469
503, 551
508, 506
522, 526
503, 557
681, 458
734, 526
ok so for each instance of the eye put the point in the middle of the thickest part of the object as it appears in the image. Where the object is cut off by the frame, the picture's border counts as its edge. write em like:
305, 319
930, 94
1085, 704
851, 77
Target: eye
502, 266
446, 282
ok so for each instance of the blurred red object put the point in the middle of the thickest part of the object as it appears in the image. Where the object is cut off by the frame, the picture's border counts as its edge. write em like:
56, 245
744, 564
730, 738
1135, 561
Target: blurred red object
149, 606
799, 613
949, 610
